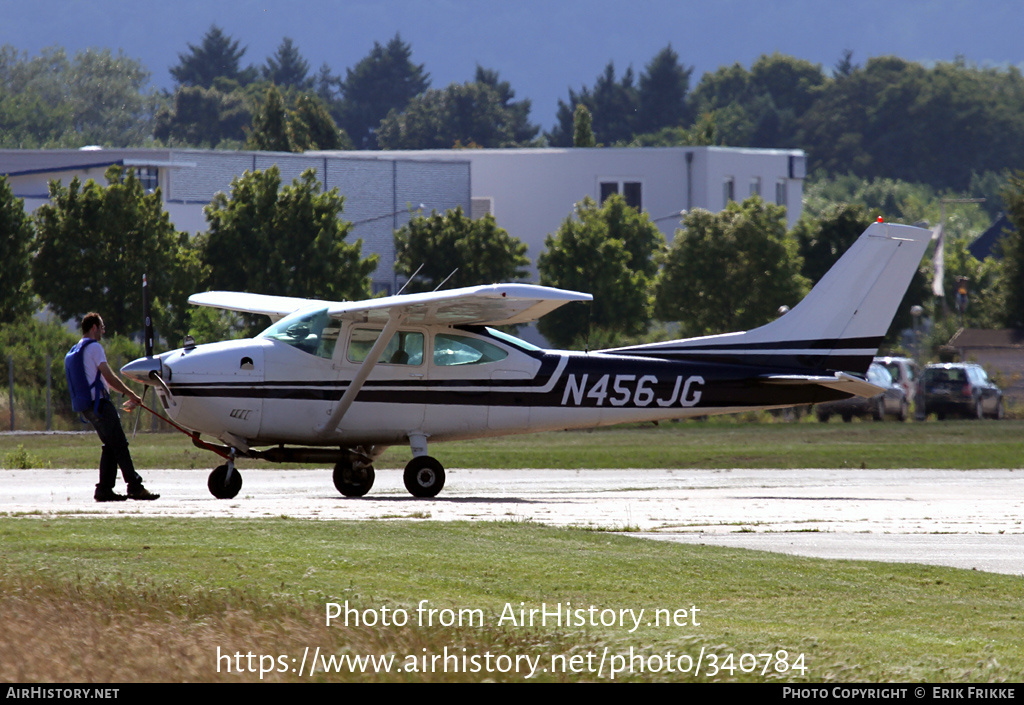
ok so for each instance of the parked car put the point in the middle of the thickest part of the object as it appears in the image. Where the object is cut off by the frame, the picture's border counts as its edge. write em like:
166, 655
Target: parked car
960, 388
905, 372
893, 401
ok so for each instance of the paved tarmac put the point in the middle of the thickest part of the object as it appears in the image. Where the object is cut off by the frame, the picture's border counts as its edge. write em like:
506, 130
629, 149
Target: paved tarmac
965, 519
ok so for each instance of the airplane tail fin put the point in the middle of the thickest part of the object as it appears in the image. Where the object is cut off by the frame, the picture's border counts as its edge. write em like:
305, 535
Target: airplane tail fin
839, 324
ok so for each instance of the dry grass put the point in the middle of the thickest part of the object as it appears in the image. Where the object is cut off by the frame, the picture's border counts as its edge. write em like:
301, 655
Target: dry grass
53, 638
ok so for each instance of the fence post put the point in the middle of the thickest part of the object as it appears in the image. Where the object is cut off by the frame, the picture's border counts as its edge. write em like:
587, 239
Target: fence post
49, 371
10, 388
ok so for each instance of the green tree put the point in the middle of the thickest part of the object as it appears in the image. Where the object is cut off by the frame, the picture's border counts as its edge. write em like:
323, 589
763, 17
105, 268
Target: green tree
1012, 276
823, 240
94, 243
608, 251
308, 125
292, 237
612, 103
203, 117
760, 107
287, 68
661, 97
15, 247
312, 126
583, 128
731, 270
52, 101
384, 80
269, 131
217, 56
470, 114
483, 252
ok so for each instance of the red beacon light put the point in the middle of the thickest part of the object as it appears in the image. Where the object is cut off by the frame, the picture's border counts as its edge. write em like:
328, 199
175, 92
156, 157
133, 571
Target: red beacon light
880, 219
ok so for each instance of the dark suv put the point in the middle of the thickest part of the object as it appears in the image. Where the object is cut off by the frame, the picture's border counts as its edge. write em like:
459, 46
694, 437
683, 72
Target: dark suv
960, 388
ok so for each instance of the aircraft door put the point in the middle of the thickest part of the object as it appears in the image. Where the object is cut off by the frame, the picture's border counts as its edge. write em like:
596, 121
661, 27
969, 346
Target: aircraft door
391, 400
510, 410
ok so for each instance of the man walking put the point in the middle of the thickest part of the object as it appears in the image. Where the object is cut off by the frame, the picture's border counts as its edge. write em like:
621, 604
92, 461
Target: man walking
89, 378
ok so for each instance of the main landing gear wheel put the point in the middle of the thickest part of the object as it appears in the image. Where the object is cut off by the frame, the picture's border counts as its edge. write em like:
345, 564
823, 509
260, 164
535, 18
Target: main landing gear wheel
353, 480
220, 486
424, 476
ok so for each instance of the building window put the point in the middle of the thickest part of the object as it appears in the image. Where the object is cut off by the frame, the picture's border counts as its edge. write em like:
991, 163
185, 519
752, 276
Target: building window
780, 192
632, 192
755, 186
149, 177
729, 190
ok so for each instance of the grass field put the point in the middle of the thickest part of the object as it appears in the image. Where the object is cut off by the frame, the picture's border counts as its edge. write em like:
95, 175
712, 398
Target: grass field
116, 600
717, 443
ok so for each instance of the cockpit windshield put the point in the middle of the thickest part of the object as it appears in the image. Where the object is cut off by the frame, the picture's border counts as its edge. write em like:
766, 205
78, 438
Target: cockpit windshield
312, 332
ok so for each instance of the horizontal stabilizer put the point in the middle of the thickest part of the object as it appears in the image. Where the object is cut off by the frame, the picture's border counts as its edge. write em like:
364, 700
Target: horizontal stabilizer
840, 382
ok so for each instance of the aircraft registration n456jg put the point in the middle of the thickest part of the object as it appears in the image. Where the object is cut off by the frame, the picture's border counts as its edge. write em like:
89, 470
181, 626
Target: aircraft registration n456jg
338, 382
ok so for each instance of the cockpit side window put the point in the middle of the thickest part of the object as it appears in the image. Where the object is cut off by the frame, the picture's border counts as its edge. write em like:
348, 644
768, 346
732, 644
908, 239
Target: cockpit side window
451, 350
315, 333
405, 348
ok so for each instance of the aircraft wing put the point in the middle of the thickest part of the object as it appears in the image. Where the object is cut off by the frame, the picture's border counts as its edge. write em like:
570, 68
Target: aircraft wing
277, 307
491, 305
841, 381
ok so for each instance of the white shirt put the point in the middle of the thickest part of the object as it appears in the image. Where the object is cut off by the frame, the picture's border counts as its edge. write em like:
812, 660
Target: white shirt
92, 358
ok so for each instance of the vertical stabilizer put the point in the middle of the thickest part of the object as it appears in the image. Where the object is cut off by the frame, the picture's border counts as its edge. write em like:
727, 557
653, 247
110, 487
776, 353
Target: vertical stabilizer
838, 326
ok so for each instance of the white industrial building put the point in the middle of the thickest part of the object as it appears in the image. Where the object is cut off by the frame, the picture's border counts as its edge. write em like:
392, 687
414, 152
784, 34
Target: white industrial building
529, 191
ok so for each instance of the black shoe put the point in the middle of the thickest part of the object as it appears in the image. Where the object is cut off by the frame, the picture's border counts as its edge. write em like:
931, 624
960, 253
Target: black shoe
141, 493
105, 495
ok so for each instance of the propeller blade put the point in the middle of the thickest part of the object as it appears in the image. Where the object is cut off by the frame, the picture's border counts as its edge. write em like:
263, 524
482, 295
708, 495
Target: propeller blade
147, 334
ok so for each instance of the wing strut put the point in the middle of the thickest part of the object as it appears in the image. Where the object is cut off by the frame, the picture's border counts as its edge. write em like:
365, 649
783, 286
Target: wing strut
395, 319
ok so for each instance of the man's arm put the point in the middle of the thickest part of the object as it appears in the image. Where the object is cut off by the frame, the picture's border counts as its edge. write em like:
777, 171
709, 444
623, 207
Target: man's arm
115, 383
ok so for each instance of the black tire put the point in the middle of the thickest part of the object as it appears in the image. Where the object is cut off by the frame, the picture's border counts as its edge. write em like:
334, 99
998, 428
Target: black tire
904, 410
847, 417
219, 485
353, 480
878, 413
1000, 411
979, 411
424, 476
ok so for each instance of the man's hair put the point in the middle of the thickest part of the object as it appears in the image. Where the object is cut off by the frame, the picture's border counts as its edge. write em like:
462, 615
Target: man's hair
90, 320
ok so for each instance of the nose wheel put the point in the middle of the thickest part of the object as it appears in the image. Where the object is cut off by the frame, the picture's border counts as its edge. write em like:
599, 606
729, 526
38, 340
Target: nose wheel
225, 481
424, 476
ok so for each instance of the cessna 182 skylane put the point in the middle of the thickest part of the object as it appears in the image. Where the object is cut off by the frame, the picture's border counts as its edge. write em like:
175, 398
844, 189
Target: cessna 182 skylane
340, 381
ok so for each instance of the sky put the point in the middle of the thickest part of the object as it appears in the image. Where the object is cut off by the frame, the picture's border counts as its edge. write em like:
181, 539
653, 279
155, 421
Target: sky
542, 47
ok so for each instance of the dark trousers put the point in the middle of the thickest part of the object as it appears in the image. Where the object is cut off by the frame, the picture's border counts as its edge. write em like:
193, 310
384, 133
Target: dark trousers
115, 446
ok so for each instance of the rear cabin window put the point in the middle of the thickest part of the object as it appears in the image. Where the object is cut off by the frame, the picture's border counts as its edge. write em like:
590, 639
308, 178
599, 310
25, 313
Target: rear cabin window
451, 350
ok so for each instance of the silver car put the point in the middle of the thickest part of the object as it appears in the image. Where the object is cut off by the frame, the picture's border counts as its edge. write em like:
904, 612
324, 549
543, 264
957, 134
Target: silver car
893, 401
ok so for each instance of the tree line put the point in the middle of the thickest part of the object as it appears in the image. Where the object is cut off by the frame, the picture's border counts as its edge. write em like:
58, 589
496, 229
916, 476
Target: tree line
951, 125
89, 246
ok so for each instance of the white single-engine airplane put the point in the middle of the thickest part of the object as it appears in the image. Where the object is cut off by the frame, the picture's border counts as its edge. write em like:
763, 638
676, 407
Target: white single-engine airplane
340, 381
